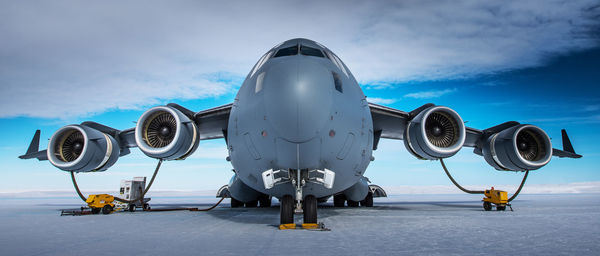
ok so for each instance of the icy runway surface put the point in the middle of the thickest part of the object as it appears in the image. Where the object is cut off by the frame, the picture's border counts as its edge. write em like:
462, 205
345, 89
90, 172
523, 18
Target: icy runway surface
405, 224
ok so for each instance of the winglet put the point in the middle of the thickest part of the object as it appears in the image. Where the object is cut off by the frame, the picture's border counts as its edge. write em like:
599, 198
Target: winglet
566, 142
33, 150
35, 143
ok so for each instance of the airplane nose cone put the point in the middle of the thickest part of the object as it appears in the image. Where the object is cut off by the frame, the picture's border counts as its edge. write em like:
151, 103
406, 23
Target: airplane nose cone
298, 98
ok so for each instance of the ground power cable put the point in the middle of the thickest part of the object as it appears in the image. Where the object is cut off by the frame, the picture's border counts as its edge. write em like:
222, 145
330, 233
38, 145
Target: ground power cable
144, 193
481, 191
117, 198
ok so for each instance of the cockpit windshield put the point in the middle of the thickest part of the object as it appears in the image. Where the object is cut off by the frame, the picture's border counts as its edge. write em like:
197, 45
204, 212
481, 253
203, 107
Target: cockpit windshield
293, 50
309, 51
304, 50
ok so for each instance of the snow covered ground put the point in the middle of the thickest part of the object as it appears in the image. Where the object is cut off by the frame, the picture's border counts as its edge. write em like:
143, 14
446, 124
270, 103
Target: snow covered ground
404, 224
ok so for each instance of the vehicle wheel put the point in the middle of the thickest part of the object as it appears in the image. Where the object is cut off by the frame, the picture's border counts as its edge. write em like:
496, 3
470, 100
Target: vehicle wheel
286, 210
352, 203
310, 209
252, 204
368, 201
107, 209
95, 210
264, 201
500, 208
487, 206
235, 203
339, 200
132, 207
146, 207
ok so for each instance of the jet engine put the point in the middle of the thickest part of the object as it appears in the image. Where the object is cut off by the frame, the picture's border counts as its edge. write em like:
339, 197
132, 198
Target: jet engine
434, 133
80, 148
519, 148
165, 133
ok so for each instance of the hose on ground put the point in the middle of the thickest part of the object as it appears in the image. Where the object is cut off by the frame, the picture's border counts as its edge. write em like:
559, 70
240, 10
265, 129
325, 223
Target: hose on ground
188, 209
480, 191
116, 198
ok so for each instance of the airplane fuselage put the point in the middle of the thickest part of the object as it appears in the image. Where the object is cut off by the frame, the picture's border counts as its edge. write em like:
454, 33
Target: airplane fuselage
300, 111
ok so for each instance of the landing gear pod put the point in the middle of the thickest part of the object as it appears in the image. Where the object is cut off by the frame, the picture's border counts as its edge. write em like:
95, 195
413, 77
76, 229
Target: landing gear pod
79, 148
165, 133
519, 148
437, 132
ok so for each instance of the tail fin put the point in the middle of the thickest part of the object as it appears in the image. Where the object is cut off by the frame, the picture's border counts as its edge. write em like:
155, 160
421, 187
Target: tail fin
567, 146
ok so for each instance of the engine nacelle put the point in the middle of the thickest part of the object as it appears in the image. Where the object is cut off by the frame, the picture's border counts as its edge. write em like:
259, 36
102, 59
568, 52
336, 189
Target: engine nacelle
519, 148
436, 132
79, 148
165, 133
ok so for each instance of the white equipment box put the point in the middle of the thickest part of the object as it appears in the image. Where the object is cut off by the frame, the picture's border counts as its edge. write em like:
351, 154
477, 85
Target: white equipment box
131, 190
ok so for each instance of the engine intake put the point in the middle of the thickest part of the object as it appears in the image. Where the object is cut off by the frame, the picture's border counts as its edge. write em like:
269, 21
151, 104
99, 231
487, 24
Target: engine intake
519, 148
165, 133
436, 132
80, 148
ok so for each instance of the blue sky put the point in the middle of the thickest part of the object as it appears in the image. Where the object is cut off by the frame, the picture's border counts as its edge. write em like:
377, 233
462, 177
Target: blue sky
65, 62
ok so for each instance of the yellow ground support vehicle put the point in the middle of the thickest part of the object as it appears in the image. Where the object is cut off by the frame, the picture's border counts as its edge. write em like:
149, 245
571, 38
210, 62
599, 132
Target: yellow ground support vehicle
101, 202
497, 197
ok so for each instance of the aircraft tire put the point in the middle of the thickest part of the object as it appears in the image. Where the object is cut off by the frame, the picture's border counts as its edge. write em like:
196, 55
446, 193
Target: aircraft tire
368, 201
264, 201
352, 203
252, 204
310, 209
235, 203
339, 200
286, 210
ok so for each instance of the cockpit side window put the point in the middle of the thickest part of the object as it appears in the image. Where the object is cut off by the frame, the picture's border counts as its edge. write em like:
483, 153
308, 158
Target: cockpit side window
336, 61
293, 50
337, 82
260, 62
309, 51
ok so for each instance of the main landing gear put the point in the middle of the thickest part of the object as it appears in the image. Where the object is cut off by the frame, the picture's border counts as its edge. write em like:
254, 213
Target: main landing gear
340, 200
263, 201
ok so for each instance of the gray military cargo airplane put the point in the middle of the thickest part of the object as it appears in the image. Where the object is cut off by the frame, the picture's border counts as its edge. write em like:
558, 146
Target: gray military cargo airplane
300, 129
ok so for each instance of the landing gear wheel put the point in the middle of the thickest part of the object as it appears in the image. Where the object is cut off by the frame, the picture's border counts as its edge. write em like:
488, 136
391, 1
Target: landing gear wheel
339, 200
264, 201
286, 209
131, 207
107, 209
487, 206
310, 209
368, 201
352, 203
95, 210
235, 203
500, 208
252, 204
146, 207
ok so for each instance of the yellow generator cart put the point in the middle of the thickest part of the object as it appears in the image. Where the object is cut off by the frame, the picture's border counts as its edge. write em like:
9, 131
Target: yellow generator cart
497, 197
101, 202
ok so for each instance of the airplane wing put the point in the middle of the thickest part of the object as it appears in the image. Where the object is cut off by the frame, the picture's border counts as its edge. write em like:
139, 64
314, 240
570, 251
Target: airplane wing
390, 123
101, 145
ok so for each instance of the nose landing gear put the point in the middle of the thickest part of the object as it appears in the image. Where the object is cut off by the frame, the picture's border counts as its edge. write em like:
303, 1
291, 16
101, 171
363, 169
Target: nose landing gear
309, 210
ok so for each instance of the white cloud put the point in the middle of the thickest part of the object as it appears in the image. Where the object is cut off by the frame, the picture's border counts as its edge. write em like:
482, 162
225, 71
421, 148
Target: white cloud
430, 94
382, 100
69, 58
